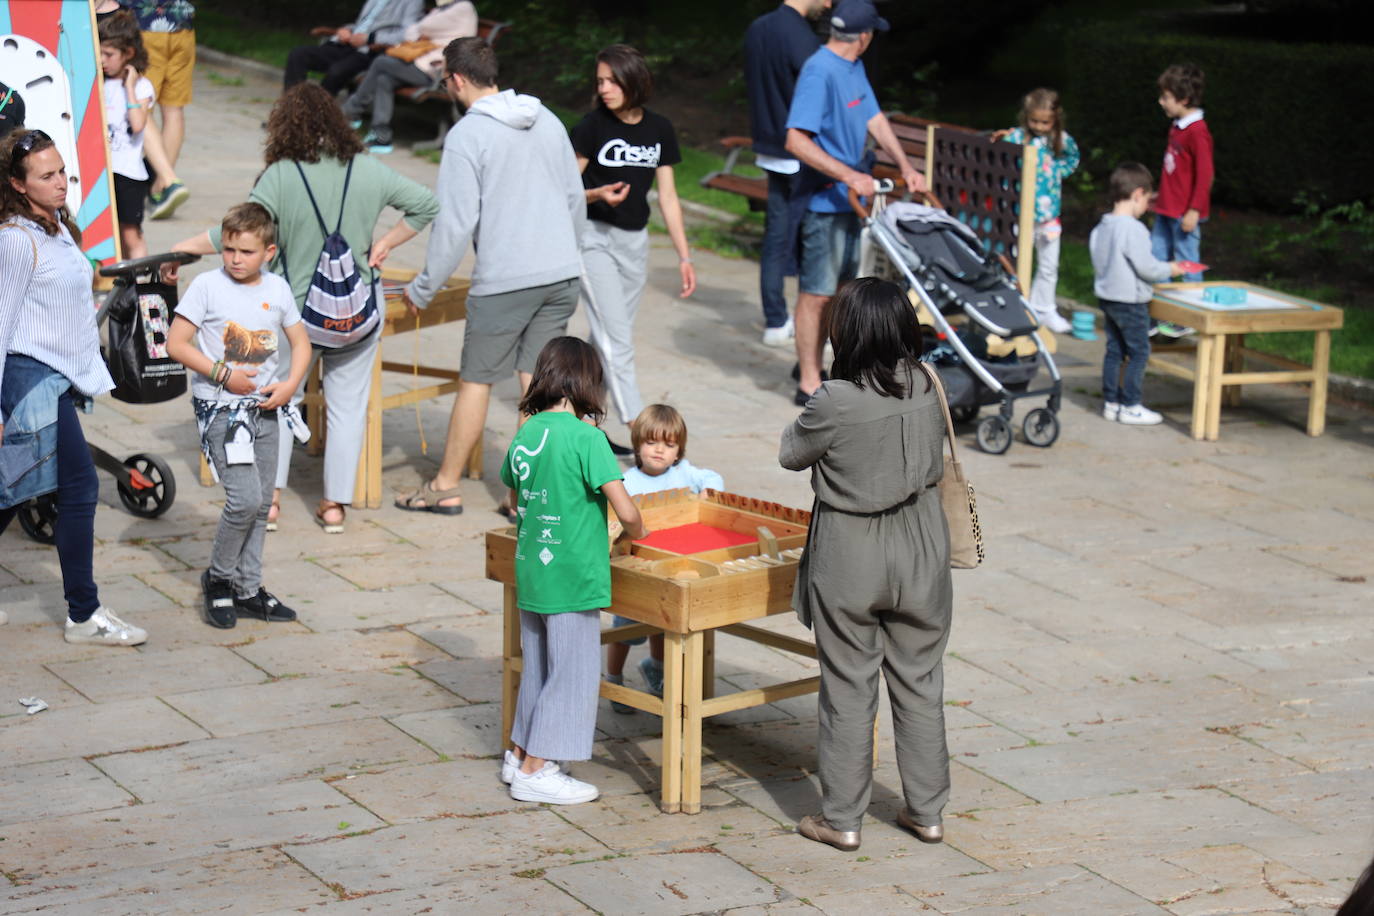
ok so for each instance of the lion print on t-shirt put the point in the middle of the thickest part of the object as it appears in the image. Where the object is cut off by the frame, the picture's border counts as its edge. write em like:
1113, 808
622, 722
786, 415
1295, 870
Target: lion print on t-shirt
244, 346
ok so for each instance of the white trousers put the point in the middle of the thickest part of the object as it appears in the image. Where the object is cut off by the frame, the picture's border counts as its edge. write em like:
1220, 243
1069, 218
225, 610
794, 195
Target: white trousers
614, 269
1046, 277
347, 377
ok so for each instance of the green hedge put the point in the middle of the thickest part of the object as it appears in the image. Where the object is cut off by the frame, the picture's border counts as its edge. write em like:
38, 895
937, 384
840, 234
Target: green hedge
1286, 118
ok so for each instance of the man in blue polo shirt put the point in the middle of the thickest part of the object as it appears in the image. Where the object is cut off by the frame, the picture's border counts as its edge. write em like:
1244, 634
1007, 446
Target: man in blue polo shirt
833, 112
776, 46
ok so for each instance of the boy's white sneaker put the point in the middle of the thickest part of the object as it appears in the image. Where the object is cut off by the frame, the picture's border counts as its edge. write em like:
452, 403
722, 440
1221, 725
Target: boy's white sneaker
1139, 415
510, 765
104, 629
1110, 410
1055, 322
549, 785
780, 336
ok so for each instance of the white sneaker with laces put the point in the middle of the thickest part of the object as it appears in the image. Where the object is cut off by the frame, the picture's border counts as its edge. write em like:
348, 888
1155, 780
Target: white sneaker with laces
510, 765
1055, 322
104, 629
1139, 415
780, 336
550, 785
1110, 410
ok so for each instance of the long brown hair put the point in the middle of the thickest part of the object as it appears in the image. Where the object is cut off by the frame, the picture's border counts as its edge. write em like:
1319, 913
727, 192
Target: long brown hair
567, 367
121, 31
307, 123
1044, 100
14, 164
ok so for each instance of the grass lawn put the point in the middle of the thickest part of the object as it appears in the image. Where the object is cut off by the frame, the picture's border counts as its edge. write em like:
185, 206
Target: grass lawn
227, 33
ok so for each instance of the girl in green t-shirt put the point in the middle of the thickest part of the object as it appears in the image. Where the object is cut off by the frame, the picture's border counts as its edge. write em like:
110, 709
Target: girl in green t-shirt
561, 473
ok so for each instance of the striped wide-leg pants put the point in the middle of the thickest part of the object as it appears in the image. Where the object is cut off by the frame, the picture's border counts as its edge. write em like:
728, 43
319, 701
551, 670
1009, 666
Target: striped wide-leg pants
555, 716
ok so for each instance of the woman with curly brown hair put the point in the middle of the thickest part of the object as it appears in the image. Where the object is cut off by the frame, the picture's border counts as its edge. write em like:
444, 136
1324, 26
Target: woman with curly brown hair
316, 172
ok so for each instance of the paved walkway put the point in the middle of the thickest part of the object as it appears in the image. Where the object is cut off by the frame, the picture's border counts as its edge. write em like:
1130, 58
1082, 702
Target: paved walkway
1159, 686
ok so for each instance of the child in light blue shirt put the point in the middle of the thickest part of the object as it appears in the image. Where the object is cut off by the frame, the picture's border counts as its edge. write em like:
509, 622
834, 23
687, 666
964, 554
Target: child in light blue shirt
659, 438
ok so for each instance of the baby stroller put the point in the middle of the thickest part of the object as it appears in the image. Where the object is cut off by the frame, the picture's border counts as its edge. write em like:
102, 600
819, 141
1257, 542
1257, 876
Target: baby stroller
137, 313
940, 260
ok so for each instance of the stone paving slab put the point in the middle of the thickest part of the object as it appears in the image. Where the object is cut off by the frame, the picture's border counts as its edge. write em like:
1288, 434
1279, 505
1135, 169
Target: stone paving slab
234, 883
331, 653
326, 752
57, 787
142, 835
670, 885
489, 895
83, 731
1049, 890
135, 674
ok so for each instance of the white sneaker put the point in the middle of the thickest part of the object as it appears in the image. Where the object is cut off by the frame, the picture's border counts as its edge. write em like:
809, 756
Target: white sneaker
105, 629
510, 765
1139, 415
780, 337
551, 786
1056, 323
1110, 410
4, 618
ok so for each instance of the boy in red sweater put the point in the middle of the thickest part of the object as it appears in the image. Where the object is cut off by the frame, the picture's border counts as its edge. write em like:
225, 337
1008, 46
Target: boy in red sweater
1185, 182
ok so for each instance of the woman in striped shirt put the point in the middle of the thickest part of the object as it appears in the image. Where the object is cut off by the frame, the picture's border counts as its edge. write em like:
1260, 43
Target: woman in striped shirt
49, 361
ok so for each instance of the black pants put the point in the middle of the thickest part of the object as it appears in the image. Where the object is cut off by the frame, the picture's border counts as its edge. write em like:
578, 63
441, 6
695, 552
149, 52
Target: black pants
77, 490
338, 62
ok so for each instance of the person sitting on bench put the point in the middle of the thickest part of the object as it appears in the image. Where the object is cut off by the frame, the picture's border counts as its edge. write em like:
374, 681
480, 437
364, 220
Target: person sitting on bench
418, 62
350, 48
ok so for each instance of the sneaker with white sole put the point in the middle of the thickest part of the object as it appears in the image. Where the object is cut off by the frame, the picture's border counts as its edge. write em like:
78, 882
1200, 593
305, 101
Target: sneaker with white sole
1055, 322
550, 785
1139, 415
4, 618
780, 336
510, 765
1110, 410
104, 629
652, 670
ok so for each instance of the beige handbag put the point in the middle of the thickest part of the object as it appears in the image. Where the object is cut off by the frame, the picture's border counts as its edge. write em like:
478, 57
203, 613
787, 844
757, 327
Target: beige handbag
411, 51
956, 496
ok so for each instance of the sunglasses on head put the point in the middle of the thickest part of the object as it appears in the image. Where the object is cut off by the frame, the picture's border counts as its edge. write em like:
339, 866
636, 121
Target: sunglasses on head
26, 143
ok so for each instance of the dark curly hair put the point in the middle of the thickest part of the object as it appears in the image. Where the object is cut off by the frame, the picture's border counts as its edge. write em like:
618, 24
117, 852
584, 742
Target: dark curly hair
121, 31
307, 123
14, 164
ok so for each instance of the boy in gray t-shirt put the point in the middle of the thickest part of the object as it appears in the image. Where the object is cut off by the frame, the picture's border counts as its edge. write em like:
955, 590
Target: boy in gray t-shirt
1124, 269
226, 331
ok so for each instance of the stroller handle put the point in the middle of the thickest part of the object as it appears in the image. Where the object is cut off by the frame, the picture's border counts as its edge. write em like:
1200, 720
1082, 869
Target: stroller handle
883, 186
149, 264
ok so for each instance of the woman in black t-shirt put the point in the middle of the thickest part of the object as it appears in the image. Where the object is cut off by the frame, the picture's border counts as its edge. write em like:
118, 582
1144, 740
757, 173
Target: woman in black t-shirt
622, 149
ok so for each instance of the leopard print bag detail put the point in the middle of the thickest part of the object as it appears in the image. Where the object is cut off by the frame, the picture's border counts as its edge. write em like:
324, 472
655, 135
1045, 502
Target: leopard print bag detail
957, 497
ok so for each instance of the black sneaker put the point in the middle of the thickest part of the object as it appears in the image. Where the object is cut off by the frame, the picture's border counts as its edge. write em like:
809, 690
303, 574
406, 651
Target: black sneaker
218, 607
801, 398
796, 373
264, 606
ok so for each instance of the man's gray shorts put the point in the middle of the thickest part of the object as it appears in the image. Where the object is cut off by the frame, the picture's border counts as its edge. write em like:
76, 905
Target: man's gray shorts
506, 331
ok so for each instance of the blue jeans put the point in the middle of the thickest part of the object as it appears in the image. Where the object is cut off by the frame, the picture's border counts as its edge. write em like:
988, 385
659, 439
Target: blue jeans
774, 257
74, 531
1128, 336
1168, 242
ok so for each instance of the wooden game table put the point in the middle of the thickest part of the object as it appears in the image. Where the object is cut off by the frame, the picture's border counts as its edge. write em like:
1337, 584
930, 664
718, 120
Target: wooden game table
689, 597
1221, 350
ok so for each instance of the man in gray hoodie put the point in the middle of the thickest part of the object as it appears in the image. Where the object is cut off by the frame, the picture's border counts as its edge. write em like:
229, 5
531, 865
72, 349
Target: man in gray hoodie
508, 183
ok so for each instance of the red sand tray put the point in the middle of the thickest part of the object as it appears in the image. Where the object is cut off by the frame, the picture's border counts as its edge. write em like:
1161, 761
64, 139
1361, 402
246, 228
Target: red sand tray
696, 537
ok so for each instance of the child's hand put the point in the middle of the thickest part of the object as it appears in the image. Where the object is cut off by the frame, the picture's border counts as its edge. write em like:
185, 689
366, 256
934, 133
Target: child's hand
241, 381
1189, 221
278, 393
1001, 134
1176, 269
130, 75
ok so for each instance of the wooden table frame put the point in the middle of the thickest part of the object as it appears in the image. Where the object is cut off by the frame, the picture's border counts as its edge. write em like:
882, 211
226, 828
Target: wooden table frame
1221, 352
449, 304
689, 624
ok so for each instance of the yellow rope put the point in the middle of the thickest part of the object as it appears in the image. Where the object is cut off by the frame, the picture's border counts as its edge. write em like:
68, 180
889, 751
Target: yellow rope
415, 386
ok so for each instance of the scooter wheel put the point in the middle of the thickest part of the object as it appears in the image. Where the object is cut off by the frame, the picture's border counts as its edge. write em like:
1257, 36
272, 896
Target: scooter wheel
994, 434
38, 518
150, 489
1041, 427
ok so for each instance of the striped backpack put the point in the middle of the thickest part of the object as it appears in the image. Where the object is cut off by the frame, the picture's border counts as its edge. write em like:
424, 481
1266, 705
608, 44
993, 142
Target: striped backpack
340, 307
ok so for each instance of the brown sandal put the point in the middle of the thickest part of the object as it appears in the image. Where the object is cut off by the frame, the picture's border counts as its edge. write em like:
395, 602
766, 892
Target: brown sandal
328, 526
427, 499
274, 513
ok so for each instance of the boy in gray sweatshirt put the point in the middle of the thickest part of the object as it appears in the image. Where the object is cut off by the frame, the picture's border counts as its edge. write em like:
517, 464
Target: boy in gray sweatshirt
510, 186
1124, 271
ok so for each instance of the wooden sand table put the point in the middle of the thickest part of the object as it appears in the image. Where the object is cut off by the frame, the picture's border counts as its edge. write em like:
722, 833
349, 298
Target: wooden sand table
688, 594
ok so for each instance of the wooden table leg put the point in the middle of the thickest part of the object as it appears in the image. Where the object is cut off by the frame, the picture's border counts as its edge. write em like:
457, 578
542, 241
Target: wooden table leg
314, 403
1235, 362
1214, 388
670, 801
692, 658
510, 652
1316, 401
1201, 383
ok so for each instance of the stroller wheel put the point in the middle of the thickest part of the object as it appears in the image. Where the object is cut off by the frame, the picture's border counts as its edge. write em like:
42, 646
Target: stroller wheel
150, 488
38, 517
994, 435
1041, 427
965, 414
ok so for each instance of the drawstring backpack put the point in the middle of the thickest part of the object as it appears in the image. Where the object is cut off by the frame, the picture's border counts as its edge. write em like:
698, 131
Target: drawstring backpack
340, 308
